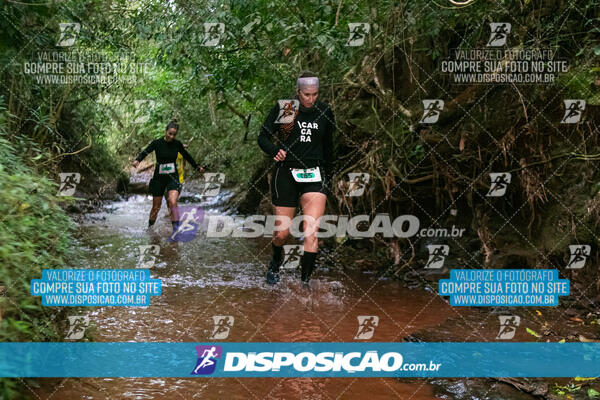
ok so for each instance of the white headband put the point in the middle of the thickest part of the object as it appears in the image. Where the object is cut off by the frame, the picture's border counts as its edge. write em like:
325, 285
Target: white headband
308, 81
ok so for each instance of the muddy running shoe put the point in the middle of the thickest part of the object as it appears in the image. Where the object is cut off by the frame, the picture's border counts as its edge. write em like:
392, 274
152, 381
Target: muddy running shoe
273, 272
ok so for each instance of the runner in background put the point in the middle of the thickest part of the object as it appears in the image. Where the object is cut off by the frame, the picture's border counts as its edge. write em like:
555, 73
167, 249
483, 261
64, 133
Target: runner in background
166, 178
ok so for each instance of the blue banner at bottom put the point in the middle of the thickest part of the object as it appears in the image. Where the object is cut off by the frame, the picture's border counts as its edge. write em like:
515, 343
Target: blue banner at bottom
369, 359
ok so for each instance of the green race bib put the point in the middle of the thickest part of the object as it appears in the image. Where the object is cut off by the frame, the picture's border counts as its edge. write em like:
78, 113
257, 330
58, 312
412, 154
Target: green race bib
166, 168
306, 174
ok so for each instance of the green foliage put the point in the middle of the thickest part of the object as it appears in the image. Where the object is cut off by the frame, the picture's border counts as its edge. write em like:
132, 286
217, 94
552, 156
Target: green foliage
580, 83
563, 390
34, 234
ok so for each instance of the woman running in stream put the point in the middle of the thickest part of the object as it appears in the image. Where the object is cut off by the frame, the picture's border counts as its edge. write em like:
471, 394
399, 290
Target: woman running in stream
298, 135
166, 176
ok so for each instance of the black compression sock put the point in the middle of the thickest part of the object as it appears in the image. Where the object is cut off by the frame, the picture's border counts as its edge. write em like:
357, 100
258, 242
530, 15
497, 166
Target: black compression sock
309, 258
277, 253
307, 261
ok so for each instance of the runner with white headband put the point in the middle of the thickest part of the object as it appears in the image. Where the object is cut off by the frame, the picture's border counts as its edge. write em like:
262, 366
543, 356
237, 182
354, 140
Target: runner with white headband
298, 135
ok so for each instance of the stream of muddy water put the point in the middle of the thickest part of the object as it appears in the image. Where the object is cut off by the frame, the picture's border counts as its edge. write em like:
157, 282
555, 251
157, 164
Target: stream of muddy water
225, 276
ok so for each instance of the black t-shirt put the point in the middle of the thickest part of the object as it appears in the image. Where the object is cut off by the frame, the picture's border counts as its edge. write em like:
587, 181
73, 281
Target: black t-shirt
166, 153
310, 141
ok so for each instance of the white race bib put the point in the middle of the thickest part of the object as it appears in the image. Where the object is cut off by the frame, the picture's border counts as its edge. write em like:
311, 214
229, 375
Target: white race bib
306, 174
166, 168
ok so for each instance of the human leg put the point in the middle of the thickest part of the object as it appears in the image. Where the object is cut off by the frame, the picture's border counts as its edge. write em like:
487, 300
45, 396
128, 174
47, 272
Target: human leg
156, 203
313, 207
284, 195
172, 196
283, 216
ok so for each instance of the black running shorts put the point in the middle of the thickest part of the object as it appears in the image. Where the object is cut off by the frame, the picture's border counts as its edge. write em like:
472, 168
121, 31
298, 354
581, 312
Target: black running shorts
285, 191
163, 183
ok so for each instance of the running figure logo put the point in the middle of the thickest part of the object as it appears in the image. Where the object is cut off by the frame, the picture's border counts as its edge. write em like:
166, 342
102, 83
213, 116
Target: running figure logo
366, 326
431, 111
212, 34
573, 111
500, 181
142, 110
292, 254
358, 183
212, 183
189, 221
508, 326
223, 324
207, 359
500, 31
68, 183
579, 253
358, 33
68, 33
287, 111
148, 255
77, 326
437, 255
